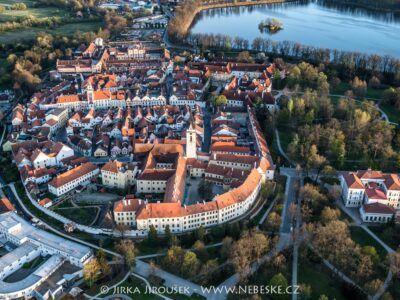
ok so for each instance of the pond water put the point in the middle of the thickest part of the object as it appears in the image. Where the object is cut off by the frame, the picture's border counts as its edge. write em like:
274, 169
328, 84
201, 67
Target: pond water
312, 23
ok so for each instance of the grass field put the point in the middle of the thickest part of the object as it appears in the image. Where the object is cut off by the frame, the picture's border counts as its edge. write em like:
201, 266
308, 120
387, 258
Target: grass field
41, 13
28, 34
320, 281
392, 113
84, 216
361, 237
343, 87
31, 11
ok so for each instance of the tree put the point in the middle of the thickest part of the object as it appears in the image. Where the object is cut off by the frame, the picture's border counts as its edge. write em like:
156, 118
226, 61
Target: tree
121, 228
359, 86
374, 82
206, 268
152, 236
200, 250
226, 247
279, 280
373, 286
91, 272
329, 214
278, 261
394, 260
241, 257
128, 250
190, 263
245, 57
333, 242
101, 256
174, 257
205, 189
200, 233
167, 232
221, 100
274, 221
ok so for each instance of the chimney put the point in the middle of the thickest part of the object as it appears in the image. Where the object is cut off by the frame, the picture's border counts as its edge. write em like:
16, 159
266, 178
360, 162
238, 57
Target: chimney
124, 202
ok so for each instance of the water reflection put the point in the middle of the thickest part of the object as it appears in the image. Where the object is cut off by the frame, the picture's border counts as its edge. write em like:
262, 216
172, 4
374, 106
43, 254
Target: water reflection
319, 23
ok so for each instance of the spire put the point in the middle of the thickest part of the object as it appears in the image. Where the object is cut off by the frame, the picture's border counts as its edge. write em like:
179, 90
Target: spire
191, 120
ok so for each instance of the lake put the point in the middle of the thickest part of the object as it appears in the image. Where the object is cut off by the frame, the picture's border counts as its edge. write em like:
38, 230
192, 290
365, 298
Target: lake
309, 23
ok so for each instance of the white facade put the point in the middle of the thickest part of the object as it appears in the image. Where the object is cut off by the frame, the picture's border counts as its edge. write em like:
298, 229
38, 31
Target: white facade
352, 197
71, 185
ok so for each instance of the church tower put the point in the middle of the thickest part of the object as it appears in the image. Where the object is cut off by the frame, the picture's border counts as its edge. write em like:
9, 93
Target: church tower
191, 149
89, 93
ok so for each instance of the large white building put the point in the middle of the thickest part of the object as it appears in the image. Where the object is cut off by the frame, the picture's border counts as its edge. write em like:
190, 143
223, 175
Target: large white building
31, 243
376, 193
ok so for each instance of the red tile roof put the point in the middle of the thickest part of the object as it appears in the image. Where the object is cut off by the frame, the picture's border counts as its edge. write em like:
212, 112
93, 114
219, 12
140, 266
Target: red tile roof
72, 174
352, 181
378, 208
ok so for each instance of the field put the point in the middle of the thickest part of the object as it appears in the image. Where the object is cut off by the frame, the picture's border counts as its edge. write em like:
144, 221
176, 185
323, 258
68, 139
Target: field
31, 11
84, 216
28, 34
71, 25
320, 280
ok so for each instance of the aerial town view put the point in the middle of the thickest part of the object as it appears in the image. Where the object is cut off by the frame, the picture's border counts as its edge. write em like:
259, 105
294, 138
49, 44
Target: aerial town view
200, 149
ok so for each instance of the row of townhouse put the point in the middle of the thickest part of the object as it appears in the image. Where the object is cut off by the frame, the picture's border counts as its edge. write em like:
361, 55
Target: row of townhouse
40, 154
71, 179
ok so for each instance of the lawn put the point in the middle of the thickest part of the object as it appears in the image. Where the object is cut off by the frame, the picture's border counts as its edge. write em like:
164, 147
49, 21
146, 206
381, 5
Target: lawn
28, 34
335, 100
361, 237
285, 135
32, 11
392, 113
389, 239
343, 87
84, 216
318, 277
394, 288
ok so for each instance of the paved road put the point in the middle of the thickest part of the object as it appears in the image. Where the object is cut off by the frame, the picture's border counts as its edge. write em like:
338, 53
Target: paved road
297, 237
290, 197
103, 160
207, 130
281, 151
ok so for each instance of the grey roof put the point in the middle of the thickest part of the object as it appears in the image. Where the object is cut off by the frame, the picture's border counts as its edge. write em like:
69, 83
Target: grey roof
24, 231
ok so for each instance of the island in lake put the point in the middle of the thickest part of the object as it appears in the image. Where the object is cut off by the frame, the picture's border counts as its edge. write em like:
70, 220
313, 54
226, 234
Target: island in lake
272, 25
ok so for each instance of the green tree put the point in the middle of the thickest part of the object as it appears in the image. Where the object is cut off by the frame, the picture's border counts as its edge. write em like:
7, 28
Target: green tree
200, 233
205, 189
91, 272
279, 280
221, 100
190, 263
128, 250
152, 236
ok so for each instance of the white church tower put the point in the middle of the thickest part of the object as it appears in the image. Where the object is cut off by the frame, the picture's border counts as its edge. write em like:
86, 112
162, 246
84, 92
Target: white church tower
191, 149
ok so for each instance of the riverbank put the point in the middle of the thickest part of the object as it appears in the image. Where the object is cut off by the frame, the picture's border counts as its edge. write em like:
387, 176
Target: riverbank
185, 15
368, 5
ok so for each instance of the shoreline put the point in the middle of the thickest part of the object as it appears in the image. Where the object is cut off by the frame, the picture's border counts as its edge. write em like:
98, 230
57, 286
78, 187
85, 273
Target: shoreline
186, 27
